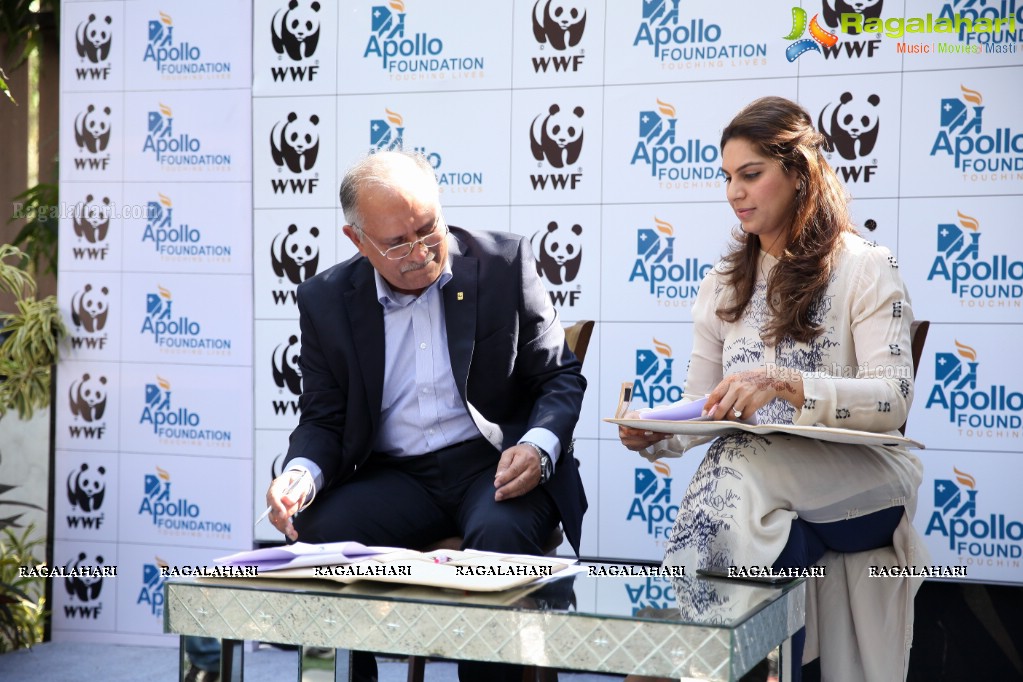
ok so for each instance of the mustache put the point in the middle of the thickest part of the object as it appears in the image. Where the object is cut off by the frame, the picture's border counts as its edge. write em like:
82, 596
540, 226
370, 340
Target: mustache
412, 266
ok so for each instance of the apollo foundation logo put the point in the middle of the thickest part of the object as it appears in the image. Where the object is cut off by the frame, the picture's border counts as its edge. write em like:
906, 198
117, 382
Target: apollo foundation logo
176, 59
991, 539
86, 488
673, 283
174, 423
558, 28
93, 38
653, 384
150, 596
176, 334
679, 44
981, 156
172, 515
994, 281
651, 503
294, 34
992, 411
676, 163
182, 151
409, 55
177, 241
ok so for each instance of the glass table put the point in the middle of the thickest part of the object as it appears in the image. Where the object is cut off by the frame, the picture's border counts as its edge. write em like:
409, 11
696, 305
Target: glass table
682, 628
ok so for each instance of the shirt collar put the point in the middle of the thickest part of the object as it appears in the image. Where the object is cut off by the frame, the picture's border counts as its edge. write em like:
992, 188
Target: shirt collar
389, 298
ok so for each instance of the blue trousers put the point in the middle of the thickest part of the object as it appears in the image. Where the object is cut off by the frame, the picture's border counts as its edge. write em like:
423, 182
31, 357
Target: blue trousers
808, 542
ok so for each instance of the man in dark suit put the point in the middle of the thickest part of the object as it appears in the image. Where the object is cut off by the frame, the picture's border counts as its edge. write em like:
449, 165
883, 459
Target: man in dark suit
439, 397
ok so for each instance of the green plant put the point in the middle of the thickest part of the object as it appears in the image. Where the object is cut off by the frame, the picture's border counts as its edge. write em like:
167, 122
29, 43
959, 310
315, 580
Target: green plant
22, 600
31, 336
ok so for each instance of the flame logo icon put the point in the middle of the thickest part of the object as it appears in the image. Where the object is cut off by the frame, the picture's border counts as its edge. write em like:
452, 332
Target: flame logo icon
971, 96
162, 383
666, 109
394, 117
662, 468
397, 5
663, 226
164, 293
163, 475
165, 18
662, 348
164, 199
966, 351
165, 110
968, 222
964, 478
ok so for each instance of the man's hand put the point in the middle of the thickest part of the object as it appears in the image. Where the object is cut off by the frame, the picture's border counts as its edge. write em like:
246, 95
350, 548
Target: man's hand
518, 472
283, 505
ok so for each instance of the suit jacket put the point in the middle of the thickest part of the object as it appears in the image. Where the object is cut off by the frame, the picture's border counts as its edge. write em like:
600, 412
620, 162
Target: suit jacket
507, 350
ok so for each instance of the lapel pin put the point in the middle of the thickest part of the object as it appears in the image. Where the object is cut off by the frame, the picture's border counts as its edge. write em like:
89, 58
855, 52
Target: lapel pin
460, 295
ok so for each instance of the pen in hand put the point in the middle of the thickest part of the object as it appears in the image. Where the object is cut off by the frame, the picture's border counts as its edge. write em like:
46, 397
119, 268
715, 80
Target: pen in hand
287, 491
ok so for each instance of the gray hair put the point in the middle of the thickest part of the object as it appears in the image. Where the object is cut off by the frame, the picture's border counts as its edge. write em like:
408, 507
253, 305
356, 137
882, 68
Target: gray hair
378, 169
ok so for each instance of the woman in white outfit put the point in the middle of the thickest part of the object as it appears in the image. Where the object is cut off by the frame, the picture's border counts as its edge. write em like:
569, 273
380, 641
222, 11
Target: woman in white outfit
802, 322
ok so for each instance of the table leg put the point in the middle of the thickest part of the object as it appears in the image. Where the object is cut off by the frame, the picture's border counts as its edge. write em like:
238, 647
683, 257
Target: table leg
342, 665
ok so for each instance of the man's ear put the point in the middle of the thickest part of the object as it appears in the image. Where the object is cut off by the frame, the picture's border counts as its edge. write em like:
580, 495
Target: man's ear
351, 233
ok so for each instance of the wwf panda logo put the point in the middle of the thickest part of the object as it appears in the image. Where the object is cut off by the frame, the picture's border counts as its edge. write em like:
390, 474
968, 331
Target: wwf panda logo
85, 489
92, 219
92, 39
92, 129
286, 366
557, 136
834, 9
88, 397
84, 587
295, 253
558, 253
558, 22
295, 31
851, 127
89, 308
295, 142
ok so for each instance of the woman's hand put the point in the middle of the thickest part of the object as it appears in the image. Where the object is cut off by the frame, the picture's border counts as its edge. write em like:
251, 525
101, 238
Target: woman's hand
638, 439
740, 395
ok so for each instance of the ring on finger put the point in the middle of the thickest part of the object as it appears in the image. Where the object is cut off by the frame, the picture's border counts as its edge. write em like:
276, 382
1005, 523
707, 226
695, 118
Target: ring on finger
737, 412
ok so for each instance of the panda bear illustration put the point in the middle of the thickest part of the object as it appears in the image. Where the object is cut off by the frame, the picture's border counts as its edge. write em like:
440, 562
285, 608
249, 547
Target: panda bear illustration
92, 129
834, 9
558, 22
851, 124
92, 38
296, 30
557, 136
84, 587
89, 308
295, 253
88, 397
85, 490
295, 143
287, 370
559, 253
92, 220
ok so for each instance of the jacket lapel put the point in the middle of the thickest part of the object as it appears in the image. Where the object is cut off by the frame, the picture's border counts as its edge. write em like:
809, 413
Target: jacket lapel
367, 318
460, 316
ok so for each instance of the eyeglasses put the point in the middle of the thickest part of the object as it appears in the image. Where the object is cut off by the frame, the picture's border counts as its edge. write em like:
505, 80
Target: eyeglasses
434, 238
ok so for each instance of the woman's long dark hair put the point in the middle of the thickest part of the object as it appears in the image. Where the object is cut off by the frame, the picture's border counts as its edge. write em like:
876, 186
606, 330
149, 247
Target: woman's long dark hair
782, 130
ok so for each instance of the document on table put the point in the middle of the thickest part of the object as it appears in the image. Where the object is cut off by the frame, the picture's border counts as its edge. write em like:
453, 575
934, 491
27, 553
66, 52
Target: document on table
302, 554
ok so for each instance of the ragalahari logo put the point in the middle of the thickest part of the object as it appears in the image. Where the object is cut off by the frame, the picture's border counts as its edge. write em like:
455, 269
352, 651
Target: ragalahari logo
994, 540
992, 411
651, 502
980, 156
671, 282
653, 384
974, 281
151, 592
818, 36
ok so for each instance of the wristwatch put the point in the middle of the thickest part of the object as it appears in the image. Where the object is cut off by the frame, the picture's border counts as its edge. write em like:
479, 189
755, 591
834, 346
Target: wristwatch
546, 463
